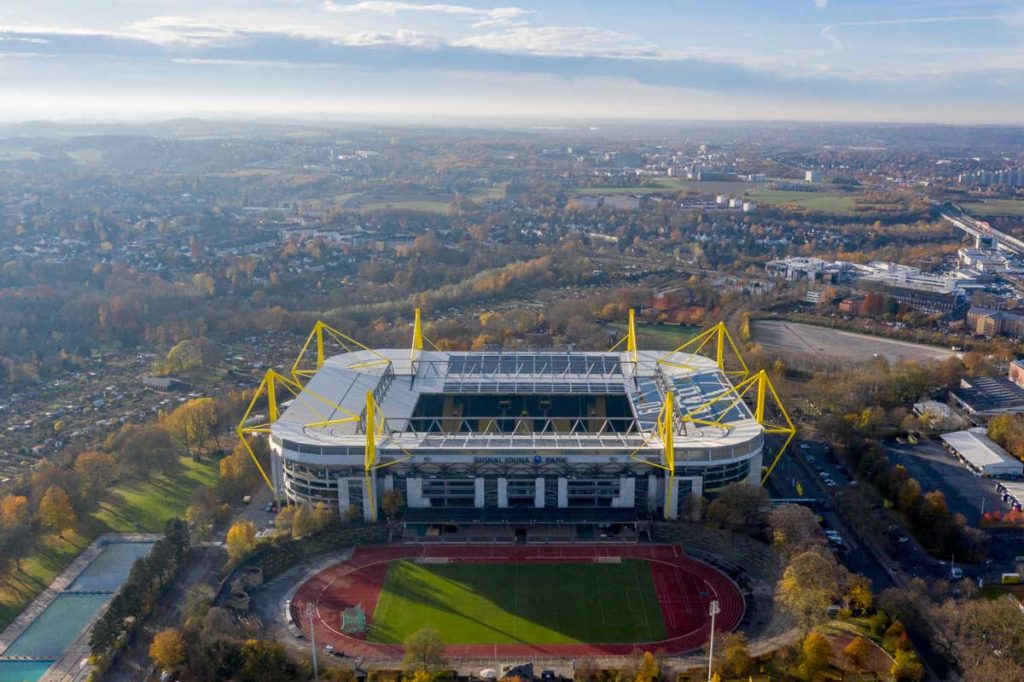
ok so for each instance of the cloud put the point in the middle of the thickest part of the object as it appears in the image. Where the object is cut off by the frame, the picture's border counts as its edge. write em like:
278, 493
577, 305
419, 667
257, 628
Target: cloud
831, 37
821, 4
561, 40
486, 16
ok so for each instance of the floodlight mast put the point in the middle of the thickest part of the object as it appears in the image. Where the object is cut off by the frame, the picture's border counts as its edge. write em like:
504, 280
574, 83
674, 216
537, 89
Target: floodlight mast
713, 611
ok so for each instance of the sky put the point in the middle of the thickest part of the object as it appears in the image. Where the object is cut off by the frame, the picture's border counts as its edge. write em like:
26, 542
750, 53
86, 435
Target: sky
940, 61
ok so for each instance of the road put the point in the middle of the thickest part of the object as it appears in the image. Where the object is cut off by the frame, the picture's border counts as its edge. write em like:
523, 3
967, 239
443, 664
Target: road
810, 464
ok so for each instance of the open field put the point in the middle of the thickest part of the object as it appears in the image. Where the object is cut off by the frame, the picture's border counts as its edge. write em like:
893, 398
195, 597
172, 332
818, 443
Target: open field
145, 508
801, 340
659, 336
519, 601
995, 207
428, 206
669, 186
823, 202
537, 603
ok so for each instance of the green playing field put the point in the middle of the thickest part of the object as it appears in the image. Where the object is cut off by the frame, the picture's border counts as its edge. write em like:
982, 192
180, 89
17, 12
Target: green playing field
534, 603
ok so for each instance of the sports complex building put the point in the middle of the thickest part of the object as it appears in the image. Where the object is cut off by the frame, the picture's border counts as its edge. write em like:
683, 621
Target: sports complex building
500, 437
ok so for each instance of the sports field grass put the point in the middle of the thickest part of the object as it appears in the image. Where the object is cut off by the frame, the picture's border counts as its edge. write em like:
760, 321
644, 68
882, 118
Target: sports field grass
530, 603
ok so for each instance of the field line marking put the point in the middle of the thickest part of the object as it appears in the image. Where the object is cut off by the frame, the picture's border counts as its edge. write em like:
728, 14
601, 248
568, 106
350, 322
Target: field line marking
639, 596
515, 600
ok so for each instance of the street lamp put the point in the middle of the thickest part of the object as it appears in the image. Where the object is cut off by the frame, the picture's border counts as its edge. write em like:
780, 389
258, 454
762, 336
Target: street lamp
312, 640
712, 611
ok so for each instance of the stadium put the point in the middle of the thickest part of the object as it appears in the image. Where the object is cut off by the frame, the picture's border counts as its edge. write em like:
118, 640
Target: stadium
526, 478
468, 438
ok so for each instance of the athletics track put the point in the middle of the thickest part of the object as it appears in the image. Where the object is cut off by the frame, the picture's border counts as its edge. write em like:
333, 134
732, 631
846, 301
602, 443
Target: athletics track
685, 588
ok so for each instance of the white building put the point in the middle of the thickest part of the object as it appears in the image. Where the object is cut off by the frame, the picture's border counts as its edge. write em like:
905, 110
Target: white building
812, 176
981, 455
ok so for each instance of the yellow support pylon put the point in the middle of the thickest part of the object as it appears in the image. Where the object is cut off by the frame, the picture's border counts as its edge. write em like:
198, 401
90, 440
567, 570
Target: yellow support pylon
695, 346
316, 339
629, 339
666, 424
370, 456
417, 337
268, 388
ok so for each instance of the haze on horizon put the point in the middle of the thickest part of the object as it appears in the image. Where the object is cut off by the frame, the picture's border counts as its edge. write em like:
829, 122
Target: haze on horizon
944, 61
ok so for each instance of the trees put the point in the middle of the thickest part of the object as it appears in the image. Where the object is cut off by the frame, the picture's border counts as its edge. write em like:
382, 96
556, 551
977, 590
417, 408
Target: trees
423, 650
56, 511
648, 669
302, 521
16, 542
168, 648
810, 584
95, 472
734, 659
906, 667
814, 654
191, 425
857, 651
858, 594
740, 507
795, 529
392, 502
14, 511
283, 520
142, 449
241, 539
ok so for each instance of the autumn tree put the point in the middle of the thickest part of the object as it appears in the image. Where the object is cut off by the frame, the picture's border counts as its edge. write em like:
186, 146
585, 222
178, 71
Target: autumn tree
906, 667
740, 507
284, 518
191, 425
423, 650
392, 502
241, 539
142, 449
302, 521
814, 654
167, 649
857, 651
795, 529
859, 597
14, 511
734, 659
648, 669
56, 510
96, 471
811, 582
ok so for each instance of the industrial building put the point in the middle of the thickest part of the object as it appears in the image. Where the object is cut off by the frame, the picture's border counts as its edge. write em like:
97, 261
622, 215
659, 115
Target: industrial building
502, 436
981, 455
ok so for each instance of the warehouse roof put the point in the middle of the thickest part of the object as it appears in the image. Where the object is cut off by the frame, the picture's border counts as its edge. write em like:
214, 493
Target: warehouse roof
981, 453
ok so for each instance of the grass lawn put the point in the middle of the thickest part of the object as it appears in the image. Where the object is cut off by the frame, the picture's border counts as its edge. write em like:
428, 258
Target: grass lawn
670, 186
666, 336
145, 507
130, 507
536, 603
995, 207
822, 202
428, 206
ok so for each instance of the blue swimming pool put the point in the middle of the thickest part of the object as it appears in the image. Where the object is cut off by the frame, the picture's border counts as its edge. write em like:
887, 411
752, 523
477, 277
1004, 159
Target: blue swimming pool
22, 671
110, 568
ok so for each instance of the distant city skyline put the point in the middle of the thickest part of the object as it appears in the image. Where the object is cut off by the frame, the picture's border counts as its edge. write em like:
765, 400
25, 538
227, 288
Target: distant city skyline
942, 61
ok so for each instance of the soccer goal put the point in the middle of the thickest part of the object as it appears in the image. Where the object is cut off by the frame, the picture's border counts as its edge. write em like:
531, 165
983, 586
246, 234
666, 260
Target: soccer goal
353, 620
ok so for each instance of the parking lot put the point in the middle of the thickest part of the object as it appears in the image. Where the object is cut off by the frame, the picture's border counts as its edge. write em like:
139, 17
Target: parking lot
937, 469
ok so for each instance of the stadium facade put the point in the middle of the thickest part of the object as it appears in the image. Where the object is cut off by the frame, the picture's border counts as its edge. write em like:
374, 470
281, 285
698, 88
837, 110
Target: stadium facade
506, 436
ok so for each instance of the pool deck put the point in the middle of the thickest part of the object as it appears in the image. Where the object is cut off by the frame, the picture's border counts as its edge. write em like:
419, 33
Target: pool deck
68, 665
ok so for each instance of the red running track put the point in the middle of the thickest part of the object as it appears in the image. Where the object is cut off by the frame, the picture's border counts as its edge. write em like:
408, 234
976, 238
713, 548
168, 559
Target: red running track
685, 588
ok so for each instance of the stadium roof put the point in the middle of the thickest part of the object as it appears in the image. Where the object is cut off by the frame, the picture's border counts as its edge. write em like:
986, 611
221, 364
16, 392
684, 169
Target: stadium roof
338, 390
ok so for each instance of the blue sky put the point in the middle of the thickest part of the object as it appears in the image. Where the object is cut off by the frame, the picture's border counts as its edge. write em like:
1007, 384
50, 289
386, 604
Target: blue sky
859, 60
